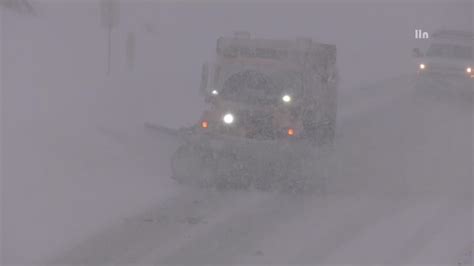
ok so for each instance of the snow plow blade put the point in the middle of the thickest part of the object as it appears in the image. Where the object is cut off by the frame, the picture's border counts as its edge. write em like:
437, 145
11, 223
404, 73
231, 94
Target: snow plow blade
222, 162
166, 134
167, 141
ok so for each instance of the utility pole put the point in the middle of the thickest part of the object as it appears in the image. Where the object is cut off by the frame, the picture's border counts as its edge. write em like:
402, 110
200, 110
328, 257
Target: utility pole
110, 16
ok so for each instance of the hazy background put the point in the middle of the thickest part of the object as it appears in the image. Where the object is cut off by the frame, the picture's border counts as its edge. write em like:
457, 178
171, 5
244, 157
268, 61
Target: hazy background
172, 41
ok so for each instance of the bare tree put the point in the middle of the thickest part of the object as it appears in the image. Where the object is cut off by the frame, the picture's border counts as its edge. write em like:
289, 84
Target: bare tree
110, 16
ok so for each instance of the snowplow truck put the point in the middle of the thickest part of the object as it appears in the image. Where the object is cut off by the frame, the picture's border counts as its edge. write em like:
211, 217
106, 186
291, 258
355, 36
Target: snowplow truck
270, 117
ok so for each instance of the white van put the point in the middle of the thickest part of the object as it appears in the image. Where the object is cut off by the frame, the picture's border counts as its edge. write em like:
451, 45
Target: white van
450, 53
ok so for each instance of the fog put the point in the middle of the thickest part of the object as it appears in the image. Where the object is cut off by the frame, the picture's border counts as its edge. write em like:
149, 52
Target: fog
374, 41
78, 170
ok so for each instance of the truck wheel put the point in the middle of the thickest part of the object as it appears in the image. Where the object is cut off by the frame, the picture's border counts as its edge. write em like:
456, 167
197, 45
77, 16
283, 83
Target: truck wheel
317, 171
192, 164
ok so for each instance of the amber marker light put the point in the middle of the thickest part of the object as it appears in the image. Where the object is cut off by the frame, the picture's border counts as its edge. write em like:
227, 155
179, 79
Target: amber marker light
291, 132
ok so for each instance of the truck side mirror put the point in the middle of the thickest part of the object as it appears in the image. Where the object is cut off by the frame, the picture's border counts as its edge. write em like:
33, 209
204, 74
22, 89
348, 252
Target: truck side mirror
204, 79
416, 53
208, 78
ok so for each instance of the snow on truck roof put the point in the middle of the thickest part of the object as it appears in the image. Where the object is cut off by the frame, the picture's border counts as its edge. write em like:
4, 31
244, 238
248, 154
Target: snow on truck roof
453, 35
244, 46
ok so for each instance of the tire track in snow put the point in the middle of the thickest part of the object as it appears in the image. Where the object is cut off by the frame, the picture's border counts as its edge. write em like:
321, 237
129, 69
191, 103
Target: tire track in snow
380, 241
234, 237
453, 244
134, 237
183, 222
353, 227
424, 234
304, 237
176, 243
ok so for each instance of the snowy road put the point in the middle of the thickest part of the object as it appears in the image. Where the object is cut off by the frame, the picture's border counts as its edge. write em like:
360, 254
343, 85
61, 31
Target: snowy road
397, 196
247, 228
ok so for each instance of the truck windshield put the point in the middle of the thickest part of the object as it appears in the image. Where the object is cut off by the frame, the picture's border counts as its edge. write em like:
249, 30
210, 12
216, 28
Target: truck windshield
450, 51
253, 87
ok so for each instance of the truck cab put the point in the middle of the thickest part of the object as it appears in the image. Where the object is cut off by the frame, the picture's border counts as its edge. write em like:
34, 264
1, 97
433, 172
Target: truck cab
270, 89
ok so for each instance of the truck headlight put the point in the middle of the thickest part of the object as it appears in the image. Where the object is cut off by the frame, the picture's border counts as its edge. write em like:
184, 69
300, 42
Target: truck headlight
286, 98
469, 70
228, 118
422, 66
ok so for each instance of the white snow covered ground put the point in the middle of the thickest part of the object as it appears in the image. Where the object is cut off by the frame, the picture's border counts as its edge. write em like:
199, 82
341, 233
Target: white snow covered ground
396, 197
76, 191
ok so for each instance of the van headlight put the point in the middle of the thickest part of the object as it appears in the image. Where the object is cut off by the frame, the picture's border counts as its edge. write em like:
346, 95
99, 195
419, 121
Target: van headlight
469, 70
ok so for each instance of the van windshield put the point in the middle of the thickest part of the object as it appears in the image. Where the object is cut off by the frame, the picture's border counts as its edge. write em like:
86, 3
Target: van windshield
450, 51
